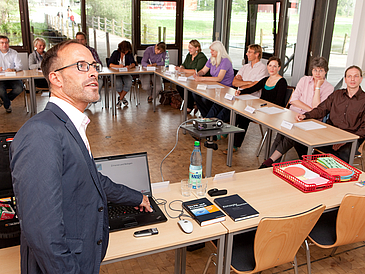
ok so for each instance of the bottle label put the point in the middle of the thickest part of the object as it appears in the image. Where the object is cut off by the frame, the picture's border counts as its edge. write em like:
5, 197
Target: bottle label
195, 176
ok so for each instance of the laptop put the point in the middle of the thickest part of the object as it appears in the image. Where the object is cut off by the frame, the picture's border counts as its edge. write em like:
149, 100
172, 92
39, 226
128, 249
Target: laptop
130, 170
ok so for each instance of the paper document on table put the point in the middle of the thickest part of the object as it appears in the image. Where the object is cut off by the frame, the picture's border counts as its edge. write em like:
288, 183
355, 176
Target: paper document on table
246, 97
214, 86
191, 77
2, 73
271, 110
309, 125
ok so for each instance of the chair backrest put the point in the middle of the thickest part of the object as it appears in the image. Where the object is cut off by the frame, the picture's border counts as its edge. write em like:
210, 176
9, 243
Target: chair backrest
277, 240
288, 94
350, 223
24, 59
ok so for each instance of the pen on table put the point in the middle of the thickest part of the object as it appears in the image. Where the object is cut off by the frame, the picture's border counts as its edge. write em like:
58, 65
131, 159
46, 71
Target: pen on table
149, 60
196, 72
262, 105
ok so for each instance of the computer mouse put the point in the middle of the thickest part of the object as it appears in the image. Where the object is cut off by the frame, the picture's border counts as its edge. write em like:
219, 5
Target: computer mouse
186, 226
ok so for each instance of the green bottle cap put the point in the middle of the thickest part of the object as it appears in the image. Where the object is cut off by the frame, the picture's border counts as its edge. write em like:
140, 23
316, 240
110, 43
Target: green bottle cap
196, 143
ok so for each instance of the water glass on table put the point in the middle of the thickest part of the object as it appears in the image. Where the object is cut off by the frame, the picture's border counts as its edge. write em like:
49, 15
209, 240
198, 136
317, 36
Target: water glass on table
201, 188
185, 187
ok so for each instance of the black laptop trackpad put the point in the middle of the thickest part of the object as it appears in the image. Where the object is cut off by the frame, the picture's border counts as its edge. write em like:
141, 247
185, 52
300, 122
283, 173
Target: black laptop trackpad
123, 223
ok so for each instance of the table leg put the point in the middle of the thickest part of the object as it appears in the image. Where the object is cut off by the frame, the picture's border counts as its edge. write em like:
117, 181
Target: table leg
154, 95
106, 89
183, 260
32, 95
185, 104
178, 257
209, 161
310, 150
268, 143
352, 153
228, 253
230, 139
220, 255
114, 104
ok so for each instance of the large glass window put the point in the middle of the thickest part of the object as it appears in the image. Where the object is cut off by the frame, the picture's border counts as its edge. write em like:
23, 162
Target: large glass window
10, 21
112, 17
158, 22
340, 41
237, 34
198, 24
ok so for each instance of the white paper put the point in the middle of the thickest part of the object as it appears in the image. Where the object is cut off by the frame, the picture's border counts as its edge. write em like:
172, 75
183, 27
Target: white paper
168, 73
182, 79
2, 73
191, 77
214, 86
10, 73
250, 109
223, 175
203, 87
310, 125
286, 124
123, 69
271, 110
246, 97
228, 96
151, 68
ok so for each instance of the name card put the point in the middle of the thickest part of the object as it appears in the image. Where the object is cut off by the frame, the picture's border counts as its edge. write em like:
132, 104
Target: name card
228, 96
123, 69
250, 109
10, 73
203, 87
168, 73
286, 124
223, 175
151, 68
182, 79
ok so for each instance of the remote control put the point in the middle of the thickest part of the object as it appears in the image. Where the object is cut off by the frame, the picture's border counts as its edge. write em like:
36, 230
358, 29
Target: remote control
146, 232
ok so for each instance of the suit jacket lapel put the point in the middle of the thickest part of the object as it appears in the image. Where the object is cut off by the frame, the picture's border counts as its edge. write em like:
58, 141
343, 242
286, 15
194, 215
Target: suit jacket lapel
75, 134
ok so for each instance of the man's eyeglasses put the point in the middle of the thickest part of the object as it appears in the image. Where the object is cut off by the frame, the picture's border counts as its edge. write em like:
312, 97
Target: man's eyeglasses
84, 66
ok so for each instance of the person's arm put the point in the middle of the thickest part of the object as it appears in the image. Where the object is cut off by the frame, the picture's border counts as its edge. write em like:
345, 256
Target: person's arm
317, 90
259, 85
114, 60
301, 105
281, 87
33, 62
321, 110
218, 79
297, 95
37, 186
239, 83
201, 61
161, 59
129, 61
146, 58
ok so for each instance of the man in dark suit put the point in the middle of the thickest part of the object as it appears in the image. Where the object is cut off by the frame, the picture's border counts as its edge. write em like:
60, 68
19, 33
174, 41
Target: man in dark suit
61, 197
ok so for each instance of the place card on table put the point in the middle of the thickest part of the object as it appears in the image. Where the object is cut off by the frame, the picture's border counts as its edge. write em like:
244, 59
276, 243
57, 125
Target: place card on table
203, 87
224, 175
286, 124
182, 79
168, 73
123, 69
250, 109
229, 96
10, 73
151, 68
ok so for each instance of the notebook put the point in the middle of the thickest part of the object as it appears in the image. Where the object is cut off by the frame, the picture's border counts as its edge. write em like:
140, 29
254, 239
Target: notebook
130, 170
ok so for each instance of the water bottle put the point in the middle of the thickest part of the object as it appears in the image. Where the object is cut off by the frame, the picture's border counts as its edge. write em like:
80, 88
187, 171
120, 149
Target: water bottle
196, 168
167, 59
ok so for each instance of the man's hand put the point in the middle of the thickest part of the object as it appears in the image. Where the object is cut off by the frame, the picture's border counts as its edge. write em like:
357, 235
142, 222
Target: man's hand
238, 77
237, 92
337, 146
9, 69
145, 205
299, 117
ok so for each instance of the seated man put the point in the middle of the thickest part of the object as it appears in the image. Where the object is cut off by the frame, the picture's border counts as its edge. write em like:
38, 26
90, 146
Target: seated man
309, 93
9, 61
153, 56
346, 109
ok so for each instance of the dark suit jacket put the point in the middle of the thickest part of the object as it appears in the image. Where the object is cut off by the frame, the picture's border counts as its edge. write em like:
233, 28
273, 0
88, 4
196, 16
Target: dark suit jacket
61, 197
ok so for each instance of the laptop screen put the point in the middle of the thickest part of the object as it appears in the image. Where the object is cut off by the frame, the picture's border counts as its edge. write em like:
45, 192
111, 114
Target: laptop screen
130, 170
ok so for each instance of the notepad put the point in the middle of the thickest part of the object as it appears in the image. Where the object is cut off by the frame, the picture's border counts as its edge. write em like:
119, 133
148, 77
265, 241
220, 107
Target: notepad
310, 125
245, 97
271, 110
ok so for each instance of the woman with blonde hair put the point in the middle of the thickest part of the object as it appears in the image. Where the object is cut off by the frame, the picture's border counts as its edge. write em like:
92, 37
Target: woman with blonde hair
220, 67
194, 60
35, 60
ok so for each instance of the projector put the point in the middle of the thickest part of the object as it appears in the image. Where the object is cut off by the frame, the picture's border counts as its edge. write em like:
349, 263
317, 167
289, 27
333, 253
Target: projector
207, 123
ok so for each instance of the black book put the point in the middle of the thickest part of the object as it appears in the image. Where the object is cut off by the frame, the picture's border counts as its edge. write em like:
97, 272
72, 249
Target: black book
203, 211
236, 208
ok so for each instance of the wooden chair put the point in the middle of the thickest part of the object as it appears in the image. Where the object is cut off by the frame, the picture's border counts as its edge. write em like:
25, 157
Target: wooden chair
341, 227
276, 241
288, 94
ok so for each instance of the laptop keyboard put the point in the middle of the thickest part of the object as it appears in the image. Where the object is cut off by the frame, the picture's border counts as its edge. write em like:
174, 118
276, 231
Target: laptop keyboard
120, 211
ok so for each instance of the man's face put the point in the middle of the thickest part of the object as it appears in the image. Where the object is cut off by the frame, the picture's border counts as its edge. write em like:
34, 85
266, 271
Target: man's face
251, 55
157, 50
78, 87
81, 39
353, 78
4, 45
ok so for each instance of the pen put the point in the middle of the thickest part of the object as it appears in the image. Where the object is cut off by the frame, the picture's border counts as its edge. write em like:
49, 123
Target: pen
149, 60
196, 72
262, 105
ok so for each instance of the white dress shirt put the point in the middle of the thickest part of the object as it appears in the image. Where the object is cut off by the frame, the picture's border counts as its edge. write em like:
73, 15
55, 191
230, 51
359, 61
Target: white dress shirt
253, 73
10, 60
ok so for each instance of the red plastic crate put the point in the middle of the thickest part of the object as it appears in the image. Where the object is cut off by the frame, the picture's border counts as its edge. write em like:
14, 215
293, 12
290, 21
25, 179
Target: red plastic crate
294, 181
311, 159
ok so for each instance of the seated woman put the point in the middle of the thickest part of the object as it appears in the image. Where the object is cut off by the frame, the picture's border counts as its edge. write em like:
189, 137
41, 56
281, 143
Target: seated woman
309, 93
35, 60
220, 67
152, 56
195, 60
273, 89
122, 58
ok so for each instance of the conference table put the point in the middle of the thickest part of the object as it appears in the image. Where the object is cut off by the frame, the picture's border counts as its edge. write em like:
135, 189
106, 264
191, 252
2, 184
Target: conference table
329, 135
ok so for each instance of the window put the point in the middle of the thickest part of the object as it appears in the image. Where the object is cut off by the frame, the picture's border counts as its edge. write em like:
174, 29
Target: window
10, 22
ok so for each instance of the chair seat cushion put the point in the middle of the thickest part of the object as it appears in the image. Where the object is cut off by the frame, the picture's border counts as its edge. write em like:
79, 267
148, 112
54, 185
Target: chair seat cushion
243, 257
324, 232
